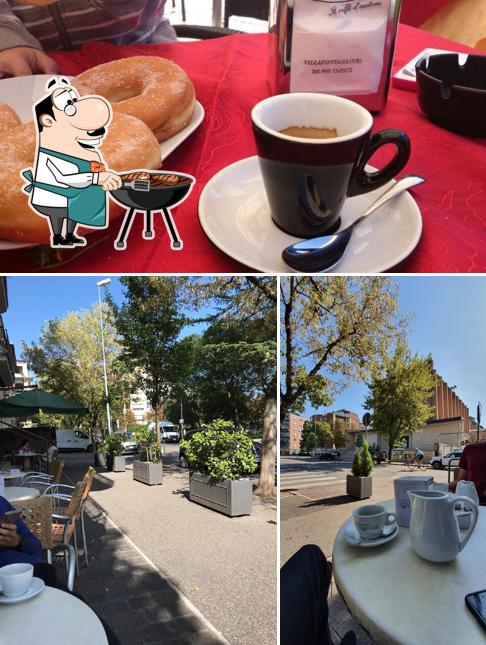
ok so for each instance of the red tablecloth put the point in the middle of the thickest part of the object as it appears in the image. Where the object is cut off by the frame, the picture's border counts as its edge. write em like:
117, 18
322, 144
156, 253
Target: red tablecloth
230, 77
415, 12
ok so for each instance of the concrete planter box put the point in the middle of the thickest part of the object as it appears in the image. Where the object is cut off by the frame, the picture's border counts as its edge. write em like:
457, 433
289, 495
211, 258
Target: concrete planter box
119, 464
232, 498
358, 487
147, 473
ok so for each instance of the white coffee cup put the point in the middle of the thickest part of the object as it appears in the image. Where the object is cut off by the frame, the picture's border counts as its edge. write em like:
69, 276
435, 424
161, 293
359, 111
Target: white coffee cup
370, 520
15, 579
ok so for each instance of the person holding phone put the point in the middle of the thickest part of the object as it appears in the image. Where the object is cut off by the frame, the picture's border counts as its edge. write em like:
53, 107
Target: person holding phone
472, 467
19, 545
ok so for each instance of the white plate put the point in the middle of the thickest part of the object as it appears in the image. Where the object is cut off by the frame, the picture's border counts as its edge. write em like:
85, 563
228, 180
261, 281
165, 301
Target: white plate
21, 92
235, 215
36, 586
351, 536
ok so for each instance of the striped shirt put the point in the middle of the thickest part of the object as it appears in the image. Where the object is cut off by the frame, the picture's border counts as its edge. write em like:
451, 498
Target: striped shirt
67, 24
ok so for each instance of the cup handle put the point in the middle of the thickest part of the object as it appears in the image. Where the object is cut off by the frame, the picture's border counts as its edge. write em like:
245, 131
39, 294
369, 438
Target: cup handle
392, 521
473, 507
363, 181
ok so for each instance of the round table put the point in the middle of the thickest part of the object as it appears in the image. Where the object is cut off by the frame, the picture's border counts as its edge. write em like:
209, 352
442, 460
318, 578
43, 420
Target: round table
401, 599
19, 493
53, 616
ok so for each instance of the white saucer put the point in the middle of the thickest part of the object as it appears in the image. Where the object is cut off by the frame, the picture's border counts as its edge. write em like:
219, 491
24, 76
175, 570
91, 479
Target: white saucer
36, 586
22, 91
235, 215
352, 537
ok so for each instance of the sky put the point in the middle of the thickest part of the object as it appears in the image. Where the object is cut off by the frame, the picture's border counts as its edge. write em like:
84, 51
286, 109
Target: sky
449, 322
34, 300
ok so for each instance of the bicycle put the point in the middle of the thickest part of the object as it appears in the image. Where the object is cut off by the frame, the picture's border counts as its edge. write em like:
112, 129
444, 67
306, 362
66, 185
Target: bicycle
414, 463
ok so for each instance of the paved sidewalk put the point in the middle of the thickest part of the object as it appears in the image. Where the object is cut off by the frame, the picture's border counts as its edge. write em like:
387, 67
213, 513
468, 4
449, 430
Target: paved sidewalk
135, 600
225, 567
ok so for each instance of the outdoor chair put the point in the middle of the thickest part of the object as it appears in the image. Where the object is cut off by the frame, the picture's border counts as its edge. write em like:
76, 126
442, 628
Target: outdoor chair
37, 515
34, 479
65, 491
65, 511
249, 8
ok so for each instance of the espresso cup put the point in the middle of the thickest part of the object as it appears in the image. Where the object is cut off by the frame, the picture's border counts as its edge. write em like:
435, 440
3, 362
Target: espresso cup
15, 579
370, 520
306, 180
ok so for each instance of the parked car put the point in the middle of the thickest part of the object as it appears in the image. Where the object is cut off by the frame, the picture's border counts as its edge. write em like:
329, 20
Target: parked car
330, 454
68, 439
443, 462
129, 444
169, 433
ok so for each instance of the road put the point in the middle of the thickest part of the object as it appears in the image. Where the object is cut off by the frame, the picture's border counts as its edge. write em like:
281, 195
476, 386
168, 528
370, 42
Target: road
313, 500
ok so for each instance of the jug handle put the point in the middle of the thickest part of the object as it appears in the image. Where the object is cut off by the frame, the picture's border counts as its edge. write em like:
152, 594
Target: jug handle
473, 506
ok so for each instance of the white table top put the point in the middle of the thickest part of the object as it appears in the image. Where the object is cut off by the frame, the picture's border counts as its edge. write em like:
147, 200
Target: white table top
19, 493
401, 599
26, 454
52, 617
8, 475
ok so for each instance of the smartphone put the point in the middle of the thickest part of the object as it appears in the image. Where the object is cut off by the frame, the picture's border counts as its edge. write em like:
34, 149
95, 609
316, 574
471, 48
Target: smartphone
10, 517
476, 603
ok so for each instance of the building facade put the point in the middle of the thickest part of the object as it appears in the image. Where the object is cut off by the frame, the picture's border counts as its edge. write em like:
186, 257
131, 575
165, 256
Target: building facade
291, 434
351, 420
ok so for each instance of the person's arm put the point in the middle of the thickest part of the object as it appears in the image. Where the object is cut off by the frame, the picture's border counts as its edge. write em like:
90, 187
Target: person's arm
18, 536
107, 180
462, 476
20, 53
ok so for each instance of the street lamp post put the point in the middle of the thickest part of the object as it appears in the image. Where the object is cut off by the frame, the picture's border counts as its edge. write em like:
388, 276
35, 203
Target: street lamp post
104, 283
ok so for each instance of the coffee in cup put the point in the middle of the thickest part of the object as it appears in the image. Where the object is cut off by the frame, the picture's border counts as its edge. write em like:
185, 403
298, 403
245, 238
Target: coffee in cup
15, 579
370, 520
307, 180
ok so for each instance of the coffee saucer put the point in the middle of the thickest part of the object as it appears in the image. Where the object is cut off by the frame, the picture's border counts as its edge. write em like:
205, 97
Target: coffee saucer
352, 537
36, 586
235, 215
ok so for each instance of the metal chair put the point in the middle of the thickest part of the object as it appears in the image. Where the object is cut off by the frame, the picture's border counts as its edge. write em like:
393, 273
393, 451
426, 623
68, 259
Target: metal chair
37, 515
65, 511
36, 479
66, 491
183, 8
248, 8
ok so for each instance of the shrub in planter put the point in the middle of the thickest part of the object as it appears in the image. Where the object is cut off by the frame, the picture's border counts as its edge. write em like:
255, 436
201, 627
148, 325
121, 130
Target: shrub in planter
359, 483
218, 459
149, 469
113, 448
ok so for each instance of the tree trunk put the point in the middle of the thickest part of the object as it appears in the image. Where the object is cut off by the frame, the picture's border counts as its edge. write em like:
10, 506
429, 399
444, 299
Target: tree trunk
157, 425
266, 483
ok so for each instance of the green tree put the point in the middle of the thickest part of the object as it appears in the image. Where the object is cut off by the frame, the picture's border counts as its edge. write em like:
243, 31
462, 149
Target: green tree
399, 396
310, 441
359, 440
245, 299
67, 360
366, 460
324, 435
334, 331
148, 323
339, 433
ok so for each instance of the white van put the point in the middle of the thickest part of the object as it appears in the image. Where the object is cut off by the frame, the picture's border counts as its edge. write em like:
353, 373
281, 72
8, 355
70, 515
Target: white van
168, 431
73, 440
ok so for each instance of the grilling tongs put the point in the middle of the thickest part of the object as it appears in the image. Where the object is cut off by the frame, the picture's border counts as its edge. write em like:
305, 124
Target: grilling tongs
138, 184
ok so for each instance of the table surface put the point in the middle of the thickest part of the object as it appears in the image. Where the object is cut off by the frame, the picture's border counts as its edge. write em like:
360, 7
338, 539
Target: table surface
53, 616
401, 599
19, 493
230, 76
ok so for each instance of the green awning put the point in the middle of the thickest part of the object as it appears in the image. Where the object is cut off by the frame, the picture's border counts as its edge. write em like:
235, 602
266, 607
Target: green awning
25, 404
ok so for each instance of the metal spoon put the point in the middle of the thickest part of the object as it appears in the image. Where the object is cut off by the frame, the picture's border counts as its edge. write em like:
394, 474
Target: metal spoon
321, 253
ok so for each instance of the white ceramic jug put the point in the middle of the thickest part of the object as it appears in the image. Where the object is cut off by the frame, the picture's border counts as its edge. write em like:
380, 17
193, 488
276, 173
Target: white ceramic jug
434, 531
467, 489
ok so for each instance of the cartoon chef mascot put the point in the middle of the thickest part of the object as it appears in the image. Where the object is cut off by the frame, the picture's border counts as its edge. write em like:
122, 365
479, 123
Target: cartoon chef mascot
70, 180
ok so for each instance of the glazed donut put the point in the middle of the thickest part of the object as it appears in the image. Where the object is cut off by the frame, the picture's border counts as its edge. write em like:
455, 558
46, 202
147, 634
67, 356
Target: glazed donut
154, 89
128, 144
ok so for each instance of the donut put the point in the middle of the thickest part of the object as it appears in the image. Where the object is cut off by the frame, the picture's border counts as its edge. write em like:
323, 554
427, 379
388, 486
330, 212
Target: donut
8, 118
153, 89
128, 144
